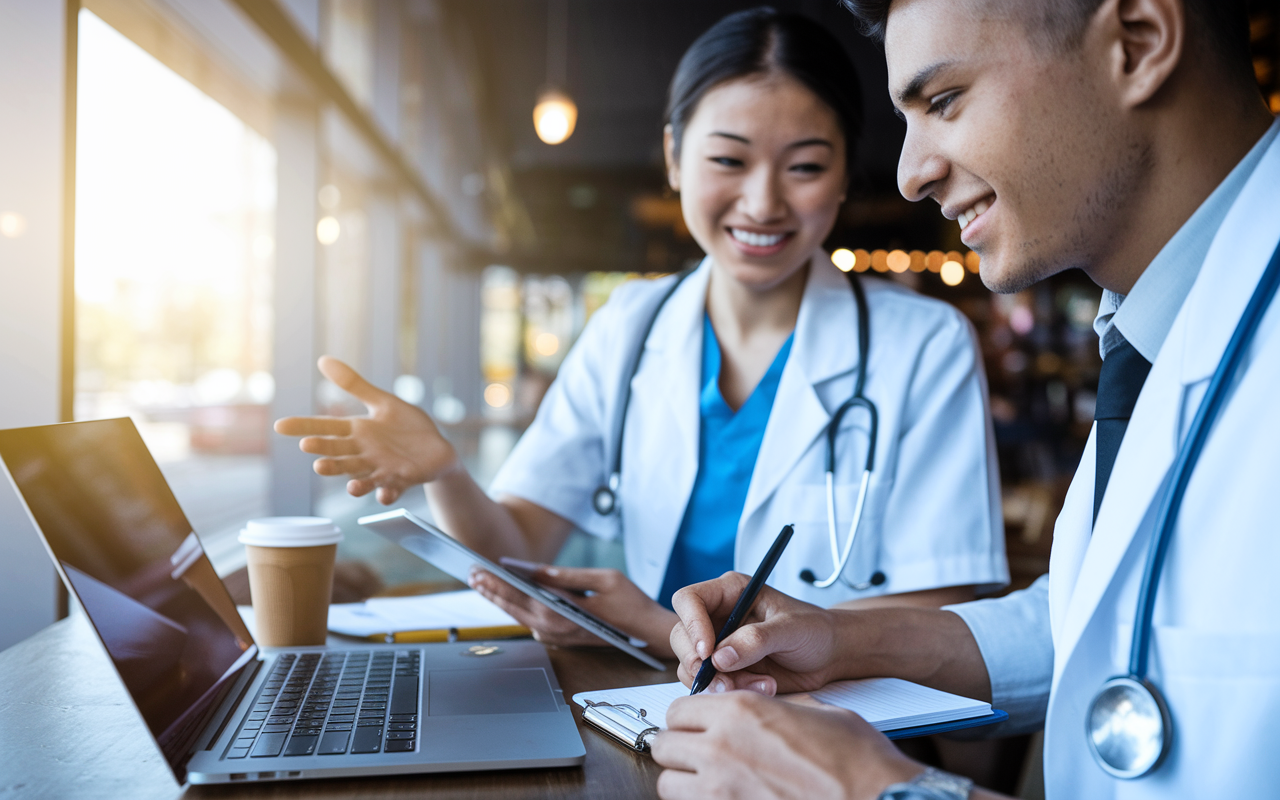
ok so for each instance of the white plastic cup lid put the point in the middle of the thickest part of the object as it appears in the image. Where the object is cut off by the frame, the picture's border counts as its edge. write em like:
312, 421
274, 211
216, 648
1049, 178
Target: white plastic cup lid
290, 532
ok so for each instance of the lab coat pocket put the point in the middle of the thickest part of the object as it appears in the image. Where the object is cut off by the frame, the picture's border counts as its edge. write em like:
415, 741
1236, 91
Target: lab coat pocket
1223, 693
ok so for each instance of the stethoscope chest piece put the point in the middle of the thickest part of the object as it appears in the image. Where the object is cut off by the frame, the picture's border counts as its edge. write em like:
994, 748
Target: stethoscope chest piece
605, 498
1128, 727
604, 501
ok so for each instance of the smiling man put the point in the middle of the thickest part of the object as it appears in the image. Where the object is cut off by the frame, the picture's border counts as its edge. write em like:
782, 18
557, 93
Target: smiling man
1126, 138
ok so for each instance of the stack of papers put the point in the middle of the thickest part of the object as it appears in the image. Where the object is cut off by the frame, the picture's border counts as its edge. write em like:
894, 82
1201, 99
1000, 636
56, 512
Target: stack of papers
464, 609
887, 703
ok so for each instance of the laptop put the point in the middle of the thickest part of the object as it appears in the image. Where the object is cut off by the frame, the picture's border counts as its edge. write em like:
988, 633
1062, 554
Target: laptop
223, 710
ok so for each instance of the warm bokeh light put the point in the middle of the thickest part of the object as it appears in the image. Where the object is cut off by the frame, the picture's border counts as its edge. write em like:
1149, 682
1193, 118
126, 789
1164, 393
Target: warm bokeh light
328, 230
900, 261
12, 225
844, 259
497, 395
554, 117
547, 344
952, 272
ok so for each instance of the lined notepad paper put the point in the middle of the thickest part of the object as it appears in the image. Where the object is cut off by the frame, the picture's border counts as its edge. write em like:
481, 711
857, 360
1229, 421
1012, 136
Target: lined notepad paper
464, 609
887, 703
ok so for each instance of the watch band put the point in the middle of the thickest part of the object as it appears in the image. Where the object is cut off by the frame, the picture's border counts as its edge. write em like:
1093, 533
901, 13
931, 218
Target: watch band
932, 784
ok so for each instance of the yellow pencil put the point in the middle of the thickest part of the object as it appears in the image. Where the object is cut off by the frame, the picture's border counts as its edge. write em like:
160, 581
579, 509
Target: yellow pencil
452, 634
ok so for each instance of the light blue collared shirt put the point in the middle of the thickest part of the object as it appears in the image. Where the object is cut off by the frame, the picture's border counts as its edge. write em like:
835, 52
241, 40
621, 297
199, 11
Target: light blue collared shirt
1145, 315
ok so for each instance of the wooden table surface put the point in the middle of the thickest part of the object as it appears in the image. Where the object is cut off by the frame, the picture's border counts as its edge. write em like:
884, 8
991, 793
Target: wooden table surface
68, 730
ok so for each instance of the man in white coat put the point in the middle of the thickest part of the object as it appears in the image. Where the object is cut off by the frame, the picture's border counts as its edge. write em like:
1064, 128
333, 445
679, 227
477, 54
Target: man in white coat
1126, 138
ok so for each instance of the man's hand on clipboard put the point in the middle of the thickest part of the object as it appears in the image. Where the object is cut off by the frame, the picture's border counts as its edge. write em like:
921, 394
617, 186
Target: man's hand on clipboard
605, 593
742, 744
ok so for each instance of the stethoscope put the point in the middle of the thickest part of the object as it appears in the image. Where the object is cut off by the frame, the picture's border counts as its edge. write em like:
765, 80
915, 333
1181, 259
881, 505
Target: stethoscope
605, 498
1128, 725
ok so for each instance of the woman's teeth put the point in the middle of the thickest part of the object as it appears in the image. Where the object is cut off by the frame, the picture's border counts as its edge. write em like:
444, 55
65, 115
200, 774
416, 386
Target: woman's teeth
969, 215
757, 239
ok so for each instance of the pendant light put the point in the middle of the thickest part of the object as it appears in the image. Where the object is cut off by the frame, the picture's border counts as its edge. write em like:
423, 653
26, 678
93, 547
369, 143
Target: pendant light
555, 114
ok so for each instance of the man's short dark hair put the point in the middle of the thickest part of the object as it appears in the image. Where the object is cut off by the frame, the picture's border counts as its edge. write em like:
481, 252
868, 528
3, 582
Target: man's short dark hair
1063, 21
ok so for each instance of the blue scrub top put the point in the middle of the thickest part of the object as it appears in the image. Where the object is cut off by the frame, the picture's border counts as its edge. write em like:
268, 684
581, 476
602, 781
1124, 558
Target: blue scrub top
728, 443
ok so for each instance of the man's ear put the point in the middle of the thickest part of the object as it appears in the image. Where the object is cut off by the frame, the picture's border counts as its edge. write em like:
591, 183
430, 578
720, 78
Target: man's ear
1147, 41
669, 153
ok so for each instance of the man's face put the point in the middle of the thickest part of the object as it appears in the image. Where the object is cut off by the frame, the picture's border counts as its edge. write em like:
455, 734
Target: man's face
1023, 145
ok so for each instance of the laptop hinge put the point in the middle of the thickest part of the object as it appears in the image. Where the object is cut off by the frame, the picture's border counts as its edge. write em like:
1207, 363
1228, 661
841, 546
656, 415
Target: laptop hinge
226, 711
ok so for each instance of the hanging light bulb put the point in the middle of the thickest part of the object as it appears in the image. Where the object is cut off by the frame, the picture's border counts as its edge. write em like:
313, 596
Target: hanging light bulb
554, 116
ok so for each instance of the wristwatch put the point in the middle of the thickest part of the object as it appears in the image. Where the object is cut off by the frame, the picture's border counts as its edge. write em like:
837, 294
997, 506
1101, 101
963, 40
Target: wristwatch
932, 784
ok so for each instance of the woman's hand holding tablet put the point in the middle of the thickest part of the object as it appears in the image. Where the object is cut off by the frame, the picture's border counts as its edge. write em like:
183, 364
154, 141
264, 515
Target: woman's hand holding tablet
604, 593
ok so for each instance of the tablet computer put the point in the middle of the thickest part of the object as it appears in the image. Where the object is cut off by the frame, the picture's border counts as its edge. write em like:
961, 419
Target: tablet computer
438, 548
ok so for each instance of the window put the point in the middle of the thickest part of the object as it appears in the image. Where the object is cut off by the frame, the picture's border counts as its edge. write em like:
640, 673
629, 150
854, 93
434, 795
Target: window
175, 208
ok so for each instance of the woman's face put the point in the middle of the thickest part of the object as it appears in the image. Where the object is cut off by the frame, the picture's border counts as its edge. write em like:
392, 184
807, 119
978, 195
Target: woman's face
761, 176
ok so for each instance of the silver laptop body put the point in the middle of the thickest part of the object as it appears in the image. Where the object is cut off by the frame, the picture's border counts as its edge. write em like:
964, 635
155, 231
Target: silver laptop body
220, 709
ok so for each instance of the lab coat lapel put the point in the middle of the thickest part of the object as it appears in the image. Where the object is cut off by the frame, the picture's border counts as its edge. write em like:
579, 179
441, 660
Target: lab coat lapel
668, 383
1190, 355
798, 416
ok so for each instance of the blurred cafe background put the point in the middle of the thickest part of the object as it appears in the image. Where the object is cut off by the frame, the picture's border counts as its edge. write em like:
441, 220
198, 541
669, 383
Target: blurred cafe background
199, 197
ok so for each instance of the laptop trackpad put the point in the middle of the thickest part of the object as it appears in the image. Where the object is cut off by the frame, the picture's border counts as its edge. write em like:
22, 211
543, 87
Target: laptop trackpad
465, 692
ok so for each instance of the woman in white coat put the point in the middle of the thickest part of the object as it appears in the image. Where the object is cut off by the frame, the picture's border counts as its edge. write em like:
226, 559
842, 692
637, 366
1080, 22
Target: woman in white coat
732, 388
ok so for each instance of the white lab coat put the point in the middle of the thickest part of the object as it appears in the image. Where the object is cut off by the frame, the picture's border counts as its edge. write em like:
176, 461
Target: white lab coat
932, 516
1215, 652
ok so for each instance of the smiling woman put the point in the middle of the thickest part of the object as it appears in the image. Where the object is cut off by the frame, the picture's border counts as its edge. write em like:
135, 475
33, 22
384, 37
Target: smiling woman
701, 407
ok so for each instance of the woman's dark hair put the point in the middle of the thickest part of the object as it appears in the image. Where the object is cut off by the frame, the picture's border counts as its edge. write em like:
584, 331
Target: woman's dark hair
760, 41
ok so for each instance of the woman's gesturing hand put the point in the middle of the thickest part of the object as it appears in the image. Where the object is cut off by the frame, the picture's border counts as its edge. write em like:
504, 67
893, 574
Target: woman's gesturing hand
395, 446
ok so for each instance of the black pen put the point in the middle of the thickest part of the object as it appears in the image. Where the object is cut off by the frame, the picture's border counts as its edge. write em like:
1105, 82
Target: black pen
745, 600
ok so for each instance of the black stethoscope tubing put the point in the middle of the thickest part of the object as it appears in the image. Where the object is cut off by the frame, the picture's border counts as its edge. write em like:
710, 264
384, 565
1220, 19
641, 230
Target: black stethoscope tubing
605, 498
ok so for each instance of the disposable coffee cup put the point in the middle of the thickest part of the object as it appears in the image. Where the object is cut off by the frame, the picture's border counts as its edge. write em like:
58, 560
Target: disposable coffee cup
290, 578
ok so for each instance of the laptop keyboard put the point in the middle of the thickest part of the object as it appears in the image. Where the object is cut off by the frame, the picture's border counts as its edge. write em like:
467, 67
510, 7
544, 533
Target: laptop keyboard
334, 703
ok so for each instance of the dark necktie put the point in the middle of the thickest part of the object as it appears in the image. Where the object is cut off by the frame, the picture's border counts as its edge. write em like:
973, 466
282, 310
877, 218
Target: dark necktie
1123, 372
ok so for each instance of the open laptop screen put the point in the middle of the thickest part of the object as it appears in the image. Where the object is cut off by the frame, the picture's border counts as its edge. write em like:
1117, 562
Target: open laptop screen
130, 556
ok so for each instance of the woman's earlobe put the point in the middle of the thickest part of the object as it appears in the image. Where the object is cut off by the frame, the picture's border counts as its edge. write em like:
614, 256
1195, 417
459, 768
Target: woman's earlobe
671, 158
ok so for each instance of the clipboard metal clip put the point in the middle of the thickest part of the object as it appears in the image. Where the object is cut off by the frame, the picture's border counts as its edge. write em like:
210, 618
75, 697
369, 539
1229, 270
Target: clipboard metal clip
623, 723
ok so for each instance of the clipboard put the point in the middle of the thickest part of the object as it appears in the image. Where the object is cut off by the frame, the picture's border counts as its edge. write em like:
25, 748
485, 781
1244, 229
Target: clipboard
632, 716
628, 725
623, 723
